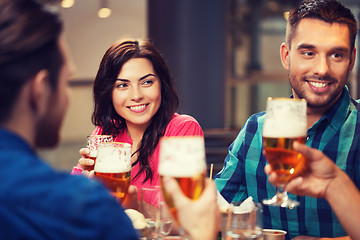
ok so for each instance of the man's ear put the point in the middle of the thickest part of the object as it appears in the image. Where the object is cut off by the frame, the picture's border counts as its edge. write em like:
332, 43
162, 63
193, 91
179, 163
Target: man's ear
284, 55
40, 91
352, 59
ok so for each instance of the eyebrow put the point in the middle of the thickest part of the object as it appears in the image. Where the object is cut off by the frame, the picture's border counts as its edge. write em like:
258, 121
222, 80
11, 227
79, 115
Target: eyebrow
143, 77
305, 46
309, 46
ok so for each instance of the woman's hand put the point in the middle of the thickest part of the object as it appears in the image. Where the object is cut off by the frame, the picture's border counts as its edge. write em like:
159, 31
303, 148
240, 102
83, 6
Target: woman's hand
86, 163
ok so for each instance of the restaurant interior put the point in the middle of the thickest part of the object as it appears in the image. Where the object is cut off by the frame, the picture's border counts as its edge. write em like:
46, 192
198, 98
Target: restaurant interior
223, 55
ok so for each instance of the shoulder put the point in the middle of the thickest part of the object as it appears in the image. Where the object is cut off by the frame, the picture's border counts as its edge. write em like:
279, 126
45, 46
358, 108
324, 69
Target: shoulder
182, 124
182, 119
53, 201
251, 129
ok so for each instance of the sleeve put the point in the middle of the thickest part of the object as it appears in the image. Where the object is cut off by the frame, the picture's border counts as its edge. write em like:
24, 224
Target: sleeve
183, 125
230, 181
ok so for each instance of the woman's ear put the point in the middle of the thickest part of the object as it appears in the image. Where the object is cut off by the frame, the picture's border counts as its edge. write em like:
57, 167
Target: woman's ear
40, 91
284, 55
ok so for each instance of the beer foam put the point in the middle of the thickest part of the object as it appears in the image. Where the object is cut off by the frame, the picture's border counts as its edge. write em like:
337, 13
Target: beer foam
281, 128
182, 156
285, 118
112, 159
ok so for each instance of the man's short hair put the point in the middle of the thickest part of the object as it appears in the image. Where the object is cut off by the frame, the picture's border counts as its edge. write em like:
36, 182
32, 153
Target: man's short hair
330, 11
29, 34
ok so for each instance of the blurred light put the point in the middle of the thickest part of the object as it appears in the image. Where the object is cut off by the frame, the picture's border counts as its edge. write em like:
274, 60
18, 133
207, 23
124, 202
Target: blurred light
286, 15
67, 3
104, 12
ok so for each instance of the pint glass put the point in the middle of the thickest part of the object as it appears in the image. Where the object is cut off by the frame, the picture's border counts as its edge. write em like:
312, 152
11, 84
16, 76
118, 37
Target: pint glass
113, 167
183, 158
92, 143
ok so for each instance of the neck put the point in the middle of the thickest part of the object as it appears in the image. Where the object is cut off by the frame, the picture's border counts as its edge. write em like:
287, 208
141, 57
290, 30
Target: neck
22, 127
136, 133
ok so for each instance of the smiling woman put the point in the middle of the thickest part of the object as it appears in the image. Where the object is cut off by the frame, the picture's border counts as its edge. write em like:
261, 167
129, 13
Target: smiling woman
136, 103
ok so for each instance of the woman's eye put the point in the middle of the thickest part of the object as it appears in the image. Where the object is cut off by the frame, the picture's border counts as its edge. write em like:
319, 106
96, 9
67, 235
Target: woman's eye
148, 82
121, 85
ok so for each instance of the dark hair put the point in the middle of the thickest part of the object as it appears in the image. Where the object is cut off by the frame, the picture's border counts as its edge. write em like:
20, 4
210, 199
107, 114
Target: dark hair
104, 114
330, 11
29, 33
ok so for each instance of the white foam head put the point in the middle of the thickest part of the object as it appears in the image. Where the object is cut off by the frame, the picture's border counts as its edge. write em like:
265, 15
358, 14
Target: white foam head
113, 158
94, 140
285, 117
182, 156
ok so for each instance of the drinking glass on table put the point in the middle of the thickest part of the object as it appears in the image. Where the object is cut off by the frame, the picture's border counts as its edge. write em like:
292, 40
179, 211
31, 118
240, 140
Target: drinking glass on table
285, 122
183, 158
113, 167
244, 224
155, 211
92, 143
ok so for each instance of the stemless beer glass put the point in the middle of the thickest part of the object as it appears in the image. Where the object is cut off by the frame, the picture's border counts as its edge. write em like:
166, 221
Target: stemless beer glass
113, 167
183, 157
92, 144
285, 122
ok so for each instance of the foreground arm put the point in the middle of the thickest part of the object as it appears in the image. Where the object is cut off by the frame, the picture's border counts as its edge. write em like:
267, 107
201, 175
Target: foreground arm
200, 218
323, 179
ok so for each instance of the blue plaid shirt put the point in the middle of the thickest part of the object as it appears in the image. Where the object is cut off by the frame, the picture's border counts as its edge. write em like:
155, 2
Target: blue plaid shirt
337, 134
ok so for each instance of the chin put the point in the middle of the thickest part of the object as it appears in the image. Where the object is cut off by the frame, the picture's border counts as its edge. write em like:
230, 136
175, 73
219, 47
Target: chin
47, 141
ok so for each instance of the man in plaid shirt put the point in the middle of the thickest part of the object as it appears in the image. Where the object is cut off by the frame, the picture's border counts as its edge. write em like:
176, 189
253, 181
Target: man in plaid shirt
319, 54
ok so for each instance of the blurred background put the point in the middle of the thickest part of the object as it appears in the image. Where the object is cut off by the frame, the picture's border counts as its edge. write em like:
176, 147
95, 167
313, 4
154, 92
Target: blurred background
223, 55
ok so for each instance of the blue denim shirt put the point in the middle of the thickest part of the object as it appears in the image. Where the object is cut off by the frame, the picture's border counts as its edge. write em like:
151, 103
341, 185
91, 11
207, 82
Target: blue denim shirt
37, 202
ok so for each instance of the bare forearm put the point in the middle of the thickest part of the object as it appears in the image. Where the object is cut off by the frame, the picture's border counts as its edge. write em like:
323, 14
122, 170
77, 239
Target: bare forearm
344, 198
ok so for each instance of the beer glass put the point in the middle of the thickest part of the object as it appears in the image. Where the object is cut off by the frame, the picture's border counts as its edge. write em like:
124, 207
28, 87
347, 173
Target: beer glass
183, 158
113, 167
92, 144
285, 122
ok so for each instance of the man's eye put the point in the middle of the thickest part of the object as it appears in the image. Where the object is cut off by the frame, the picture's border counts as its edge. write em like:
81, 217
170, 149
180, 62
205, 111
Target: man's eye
308, 54
337, 55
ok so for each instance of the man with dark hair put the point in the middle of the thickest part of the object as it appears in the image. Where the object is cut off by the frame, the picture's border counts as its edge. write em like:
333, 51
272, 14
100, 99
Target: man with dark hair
35, 201
319, 54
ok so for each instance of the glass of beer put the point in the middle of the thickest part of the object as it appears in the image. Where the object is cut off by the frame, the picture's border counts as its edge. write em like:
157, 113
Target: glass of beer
92, 144
183, 158
285, 123
113, 167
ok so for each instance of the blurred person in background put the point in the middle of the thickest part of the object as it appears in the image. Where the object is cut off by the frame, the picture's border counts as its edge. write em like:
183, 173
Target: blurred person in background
136, 103
323, 179
319, 54
37, 202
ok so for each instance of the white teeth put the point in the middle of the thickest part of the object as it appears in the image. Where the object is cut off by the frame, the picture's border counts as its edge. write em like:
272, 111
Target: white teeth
318, 85
137, 108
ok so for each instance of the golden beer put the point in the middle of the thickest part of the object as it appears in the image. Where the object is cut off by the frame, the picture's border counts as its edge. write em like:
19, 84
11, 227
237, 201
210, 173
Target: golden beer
113, 167
117, 183
183, 158
192, 187
283, 159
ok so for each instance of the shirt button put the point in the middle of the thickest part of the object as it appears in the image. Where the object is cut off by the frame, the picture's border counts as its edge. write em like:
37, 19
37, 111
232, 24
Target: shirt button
307, 138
